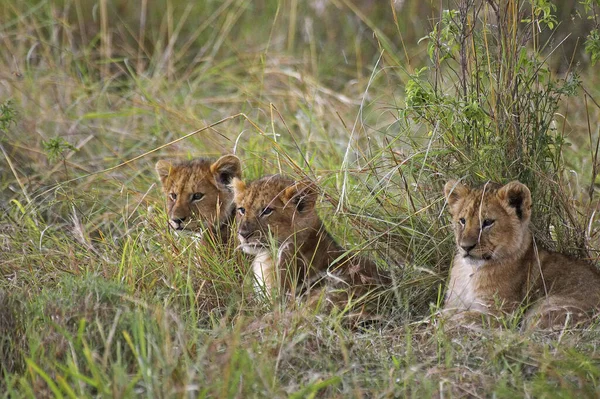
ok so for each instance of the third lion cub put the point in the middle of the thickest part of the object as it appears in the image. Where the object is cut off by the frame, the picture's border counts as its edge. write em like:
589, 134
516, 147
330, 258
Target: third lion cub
279, 209
498, 267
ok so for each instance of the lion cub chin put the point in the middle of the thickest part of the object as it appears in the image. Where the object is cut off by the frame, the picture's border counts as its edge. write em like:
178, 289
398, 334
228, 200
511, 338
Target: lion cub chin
498, 267
277, 210
199, 198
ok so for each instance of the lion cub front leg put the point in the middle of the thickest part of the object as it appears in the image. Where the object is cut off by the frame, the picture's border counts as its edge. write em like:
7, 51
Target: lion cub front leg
263, 268
277, 271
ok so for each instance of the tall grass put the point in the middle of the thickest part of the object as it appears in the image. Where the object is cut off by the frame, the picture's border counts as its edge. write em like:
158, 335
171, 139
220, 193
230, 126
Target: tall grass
100, 298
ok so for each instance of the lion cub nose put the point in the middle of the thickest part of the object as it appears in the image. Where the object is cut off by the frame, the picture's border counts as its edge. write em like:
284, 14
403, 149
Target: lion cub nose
468, 247
245, 233
177, 222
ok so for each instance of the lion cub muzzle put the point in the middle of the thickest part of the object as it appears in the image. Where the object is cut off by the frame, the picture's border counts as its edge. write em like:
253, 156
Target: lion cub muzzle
177, 223
470, 245
246, 231
467, 247
250, 238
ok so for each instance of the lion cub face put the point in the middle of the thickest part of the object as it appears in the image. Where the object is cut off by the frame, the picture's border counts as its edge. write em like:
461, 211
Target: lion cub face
490, 222
198, 192
274, 205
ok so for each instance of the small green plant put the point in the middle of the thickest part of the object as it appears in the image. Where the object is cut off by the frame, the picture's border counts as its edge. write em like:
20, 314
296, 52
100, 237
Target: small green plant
592, 41
592, 45
56, 147
543, 13
7, 115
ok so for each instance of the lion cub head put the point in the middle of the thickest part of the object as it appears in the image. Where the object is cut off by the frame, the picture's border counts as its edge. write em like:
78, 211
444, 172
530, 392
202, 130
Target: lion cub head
274, 206
198, 192
491, 222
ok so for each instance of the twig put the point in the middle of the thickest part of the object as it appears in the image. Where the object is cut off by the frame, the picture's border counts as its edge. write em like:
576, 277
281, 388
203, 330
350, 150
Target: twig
12, 168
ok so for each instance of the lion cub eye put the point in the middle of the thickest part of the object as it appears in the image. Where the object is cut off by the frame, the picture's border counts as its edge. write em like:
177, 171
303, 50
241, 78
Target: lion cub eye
462, 221
172, 196
241, 210
197, 196
266, 212
487, 222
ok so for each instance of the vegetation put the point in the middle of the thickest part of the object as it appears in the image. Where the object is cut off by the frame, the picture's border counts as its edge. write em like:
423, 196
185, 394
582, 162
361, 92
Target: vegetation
99, 298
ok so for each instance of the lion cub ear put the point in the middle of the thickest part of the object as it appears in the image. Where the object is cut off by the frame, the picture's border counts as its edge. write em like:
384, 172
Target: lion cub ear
163, 169
454, 191
515, 195
226, 168
302, 194
239, 187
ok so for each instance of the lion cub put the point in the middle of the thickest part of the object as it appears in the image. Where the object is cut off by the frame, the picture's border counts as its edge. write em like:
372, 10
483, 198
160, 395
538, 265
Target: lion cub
276, 208
499, 267
198, 194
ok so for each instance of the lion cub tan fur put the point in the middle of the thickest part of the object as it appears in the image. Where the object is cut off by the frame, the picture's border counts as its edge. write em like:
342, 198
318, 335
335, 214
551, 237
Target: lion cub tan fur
498, 266
198, 194
278, 209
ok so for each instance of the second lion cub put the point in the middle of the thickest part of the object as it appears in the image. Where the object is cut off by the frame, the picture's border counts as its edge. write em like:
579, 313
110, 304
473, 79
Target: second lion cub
498, 267
276, 208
